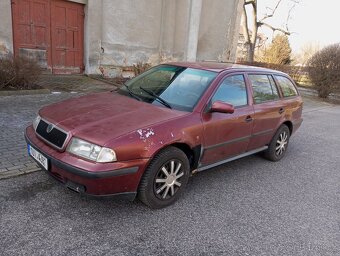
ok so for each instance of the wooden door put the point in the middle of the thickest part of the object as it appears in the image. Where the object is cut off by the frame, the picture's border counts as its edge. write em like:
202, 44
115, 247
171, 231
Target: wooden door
31, 29
67, 26
51, 32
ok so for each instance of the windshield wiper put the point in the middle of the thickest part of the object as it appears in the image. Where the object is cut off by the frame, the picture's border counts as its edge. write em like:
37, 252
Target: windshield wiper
160, 99
132, 94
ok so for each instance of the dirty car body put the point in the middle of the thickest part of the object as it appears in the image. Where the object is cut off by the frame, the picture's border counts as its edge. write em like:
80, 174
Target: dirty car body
109, 143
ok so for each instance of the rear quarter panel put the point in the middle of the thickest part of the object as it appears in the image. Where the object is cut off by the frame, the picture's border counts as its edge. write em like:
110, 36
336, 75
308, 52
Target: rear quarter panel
293, 107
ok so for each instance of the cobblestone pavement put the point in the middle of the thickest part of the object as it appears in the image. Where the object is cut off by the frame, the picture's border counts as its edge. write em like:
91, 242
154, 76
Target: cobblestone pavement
17, 112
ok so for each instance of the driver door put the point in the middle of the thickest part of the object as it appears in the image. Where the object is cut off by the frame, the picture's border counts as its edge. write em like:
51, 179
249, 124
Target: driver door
228, 135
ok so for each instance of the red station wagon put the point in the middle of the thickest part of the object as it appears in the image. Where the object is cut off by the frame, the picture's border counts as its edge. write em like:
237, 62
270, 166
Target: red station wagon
147, 137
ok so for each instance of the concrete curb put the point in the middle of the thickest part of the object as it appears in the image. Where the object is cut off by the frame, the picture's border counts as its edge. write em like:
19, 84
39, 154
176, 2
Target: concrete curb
16, 173
25, 92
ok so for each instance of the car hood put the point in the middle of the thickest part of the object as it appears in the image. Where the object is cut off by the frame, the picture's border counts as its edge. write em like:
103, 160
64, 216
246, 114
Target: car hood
101, 117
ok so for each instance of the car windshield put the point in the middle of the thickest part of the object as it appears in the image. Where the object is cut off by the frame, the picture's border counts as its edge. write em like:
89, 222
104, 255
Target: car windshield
169, 86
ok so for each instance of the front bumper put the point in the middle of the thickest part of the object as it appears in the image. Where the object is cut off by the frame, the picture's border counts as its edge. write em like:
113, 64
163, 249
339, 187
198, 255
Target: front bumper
96, 179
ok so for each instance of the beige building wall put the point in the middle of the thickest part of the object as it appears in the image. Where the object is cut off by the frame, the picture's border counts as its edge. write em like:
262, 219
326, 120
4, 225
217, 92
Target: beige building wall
164, 30
6, 36
219, 28
131, 31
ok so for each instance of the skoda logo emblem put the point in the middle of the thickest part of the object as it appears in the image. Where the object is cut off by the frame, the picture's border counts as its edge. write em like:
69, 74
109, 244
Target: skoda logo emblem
49, 128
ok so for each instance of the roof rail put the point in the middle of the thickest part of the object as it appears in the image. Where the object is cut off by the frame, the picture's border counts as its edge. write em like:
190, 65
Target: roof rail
218, 61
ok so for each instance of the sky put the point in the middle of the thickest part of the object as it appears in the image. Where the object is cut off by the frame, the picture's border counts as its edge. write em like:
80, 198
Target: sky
311, 21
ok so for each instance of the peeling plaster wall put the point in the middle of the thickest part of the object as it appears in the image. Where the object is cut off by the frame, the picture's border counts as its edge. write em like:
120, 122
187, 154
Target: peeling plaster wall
92, 36
181, 15
167, 36
131, 31
174, 30
219, 21
121, 33
6, 36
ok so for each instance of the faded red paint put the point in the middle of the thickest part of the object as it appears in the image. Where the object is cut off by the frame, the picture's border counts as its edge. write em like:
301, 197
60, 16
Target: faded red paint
56, 27
31, 26
67, 27
137, 131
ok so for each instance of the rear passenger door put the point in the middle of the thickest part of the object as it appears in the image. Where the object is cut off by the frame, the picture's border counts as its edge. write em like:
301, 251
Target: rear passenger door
268, 108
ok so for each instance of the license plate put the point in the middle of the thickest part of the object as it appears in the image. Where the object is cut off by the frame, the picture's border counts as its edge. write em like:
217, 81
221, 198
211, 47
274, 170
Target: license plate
38, 156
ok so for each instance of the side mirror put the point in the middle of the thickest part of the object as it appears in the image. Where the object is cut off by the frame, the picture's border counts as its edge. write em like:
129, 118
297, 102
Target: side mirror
222, 107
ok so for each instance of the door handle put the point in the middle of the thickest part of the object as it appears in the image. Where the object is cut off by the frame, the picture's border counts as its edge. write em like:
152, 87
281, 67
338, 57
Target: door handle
248, 119
281, 110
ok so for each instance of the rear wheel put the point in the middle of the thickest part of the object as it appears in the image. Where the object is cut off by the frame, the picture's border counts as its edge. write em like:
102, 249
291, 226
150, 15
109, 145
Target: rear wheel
278, 145
165, 178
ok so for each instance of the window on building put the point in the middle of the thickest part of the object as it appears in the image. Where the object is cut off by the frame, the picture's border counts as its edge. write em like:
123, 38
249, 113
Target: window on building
233, 91
287, 87
264, 88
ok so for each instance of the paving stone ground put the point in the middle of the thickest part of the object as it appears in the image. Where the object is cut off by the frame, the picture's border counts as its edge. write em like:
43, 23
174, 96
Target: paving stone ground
17, 112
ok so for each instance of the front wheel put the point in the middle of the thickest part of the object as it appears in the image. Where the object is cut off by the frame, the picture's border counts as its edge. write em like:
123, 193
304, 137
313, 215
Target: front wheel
278, 145
165, 178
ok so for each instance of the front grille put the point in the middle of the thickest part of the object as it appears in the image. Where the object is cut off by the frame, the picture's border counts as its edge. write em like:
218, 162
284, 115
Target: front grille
56, 137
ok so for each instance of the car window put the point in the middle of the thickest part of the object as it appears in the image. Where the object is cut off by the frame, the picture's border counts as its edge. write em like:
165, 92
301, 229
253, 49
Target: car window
263, 89
287, 87
180, 87
232, 90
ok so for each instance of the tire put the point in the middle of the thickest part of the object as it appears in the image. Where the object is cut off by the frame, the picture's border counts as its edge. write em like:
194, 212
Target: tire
165, 178
278, 145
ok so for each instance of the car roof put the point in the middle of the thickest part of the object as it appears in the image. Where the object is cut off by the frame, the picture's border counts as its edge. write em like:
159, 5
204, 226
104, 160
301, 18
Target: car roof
222, 66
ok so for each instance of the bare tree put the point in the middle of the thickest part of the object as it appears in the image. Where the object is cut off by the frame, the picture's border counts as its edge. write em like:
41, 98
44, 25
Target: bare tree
305, 53
250, 34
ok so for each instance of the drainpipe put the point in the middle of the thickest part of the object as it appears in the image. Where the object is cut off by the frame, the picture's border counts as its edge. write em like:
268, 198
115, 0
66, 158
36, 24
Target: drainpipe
193, 29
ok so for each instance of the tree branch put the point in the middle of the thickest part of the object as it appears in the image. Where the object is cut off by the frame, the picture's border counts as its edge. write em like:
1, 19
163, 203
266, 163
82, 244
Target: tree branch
288, 16
274, 28
272, 13
260, 45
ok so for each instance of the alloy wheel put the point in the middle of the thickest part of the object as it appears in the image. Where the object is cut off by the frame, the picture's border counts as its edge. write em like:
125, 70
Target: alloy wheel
281, 143
168, 179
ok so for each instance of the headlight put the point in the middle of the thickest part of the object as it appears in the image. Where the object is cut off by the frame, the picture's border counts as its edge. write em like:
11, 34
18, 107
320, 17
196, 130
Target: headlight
36, 122
91, 151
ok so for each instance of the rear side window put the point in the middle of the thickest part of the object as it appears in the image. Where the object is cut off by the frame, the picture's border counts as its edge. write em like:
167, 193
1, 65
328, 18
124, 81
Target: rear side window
287, 87
264, 88
233, 91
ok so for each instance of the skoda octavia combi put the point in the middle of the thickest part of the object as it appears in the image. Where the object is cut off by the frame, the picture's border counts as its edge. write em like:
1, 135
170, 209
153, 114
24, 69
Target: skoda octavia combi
147, 137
